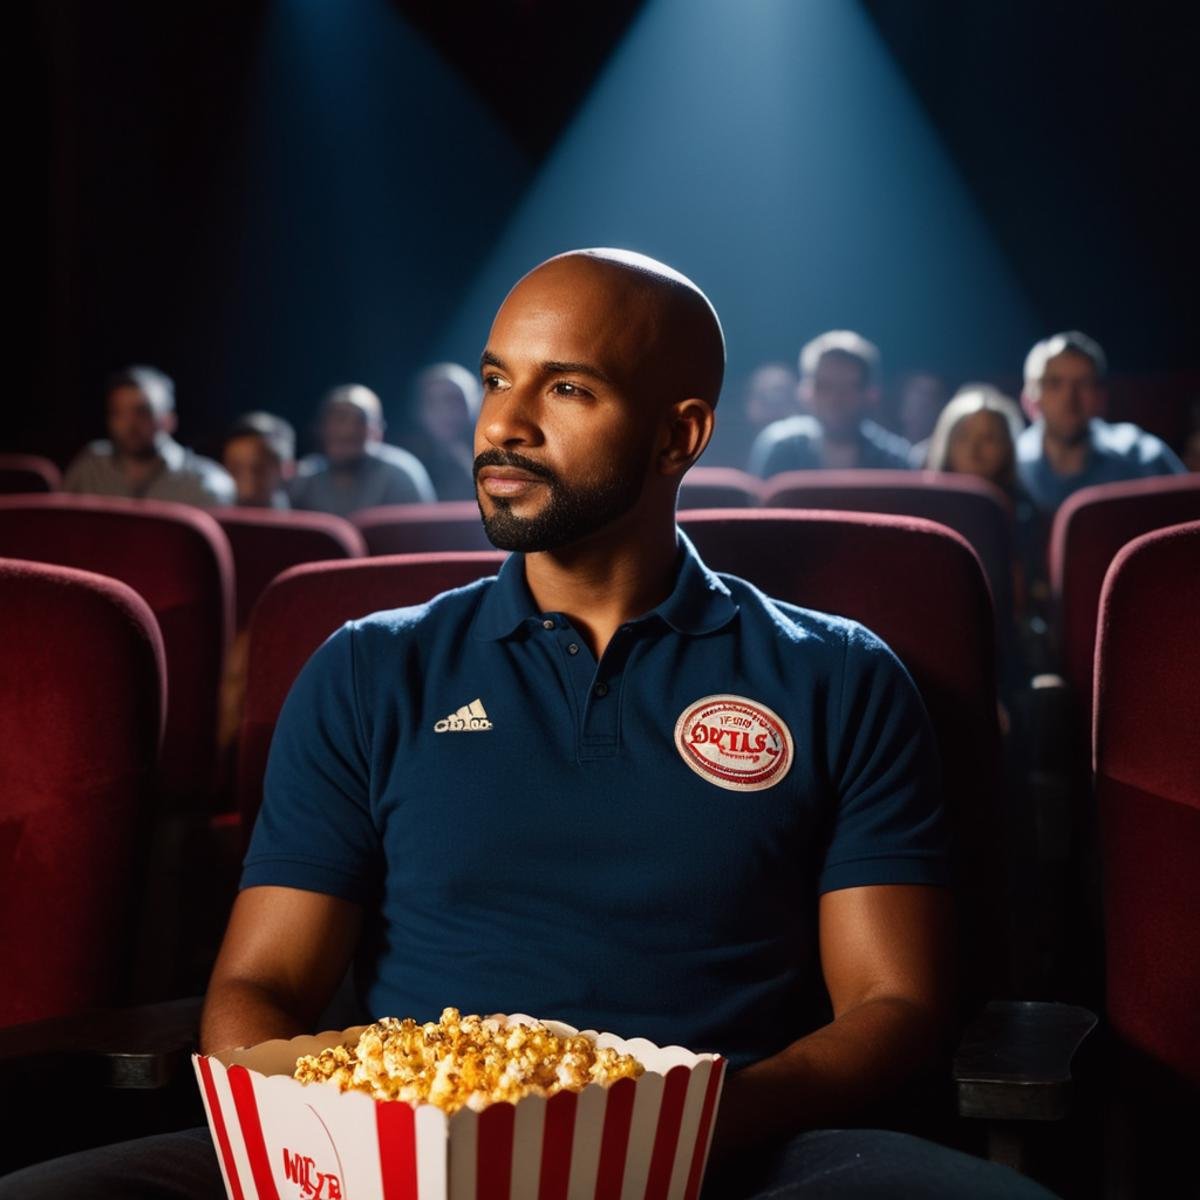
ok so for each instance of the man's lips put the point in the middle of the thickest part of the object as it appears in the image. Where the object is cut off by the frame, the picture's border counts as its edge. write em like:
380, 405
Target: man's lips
507, 481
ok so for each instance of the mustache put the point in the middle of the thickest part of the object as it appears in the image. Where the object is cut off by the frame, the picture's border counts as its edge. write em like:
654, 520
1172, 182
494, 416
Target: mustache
509, 458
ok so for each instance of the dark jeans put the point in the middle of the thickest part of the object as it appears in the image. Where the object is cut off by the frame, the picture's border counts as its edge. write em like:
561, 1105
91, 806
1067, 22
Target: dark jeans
858, 1163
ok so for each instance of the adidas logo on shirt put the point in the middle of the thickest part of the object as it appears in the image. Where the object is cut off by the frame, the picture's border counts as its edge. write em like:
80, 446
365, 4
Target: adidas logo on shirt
469, 719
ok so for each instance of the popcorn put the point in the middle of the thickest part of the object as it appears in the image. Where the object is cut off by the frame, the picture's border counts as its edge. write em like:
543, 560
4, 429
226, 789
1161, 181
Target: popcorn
462, 1061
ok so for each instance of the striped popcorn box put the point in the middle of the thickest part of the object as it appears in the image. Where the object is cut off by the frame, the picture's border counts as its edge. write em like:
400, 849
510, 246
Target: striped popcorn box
639, 1139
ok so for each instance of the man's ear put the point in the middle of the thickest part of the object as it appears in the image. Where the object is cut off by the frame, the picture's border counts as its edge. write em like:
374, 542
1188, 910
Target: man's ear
168, 423
687, 430
804, 395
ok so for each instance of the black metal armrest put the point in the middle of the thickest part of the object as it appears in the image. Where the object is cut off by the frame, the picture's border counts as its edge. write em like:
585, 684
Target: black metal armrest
144, 1047
1014, 1061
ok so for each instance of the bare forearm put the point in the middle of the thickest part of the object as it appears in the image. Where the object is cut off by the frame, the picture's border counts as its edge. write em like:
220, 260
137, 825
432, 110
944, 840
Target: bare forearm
830, 1075
241, 1013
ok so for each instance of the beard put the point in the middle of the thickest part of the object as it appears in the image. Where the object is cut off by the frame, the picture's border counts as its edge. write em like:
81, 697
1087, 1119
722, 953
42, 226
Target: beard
570, 512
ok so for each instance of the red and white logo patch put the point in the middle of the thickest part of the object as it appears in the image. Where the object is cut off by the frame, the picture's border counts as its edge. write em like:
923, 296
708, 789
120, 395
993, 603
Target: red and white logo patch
734, 742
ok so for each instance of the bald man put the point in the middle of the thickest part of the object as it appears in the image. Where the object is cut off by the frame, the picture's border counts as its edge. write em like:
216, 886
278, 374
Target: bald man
609, 786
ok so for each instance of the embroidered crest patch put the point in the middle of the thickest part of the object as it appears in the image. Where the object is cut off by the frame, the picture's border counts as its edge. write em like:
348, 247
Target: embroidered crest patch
734, 742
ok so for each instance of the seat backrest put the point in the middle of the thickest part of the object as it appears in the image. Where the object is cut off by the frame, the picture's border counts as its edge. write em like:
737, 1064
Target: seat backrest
719, 487
177, 559
919, 587
422, 528
265, 542
1146, 746
1088, 530
28, 473
977, 510
301, 609
82, 690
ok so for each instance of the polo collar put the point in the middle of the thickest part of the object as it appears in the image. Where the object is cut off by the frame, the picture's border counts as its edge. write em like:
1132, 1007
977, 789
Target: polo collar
700, 602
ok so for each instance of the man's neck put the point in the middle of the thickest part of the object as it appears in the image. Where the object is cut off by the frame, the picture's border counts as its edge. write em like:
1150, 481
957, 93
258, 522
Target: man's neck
140, 467
841, 452
605, 581
1066, 457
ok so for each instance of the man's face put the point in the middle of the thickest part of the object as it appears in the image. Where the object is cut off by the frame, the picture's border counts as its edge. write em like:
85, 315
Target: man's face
566, 432
770, 396
344, 433
839, 395
442, 409
1068, 396
133, 423
255, 468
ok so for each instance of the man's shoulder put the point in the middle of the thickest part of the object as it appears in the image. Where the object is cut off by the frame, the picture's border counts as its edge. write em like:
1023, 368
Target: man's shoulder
768, 616
1130, 443
798, 428
889, 448
1029, 442
449, 613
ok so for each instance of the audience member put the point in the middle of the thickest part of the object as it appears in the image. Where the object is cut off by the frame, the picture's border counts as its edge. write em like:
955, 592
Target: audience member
355, 468
260, 455
839, 385
445, 402
920, 397
140, 459
1069, 446
767, 394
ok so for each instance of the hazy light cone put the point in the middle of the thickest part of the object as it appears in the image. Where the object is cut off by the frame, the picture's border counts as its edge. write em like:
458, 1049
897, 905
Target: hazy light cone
644, 1139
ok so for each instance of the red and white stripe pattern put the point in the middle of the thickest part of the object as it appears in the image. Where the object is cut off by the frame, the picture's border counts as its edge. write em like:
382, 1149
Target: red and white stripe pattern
644, 1139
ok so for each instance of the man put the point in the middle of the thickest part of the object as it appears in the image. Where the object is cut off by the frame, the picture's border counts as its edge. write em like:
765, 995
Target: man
1069, 446
355, 468
576, 854
768, 394
140, 459
839, 386
445, 403
260, 455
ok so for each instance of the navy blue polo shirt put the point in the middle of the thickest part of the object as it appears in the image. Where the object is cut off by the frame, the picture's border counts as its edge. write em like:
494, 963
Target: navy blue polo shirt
635, 845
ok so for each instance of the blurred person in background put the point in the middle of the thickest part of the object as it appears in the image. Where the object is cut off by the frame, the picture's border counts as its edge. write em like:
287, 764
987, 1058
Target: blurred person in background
768, 394
1069, 446
355, 468
445, 402
260, 455
140, 459
839, 388
920, 397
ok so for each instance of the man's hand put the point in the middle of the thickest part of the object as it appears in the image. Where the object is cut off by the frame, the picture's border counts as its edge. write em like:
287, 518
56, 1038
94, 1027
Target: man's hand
886, 958
284, 954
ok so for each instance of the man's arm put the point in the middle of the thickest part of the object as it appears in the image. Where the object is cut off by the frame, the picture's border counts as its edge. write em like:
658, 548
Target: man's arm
886, 957
284, 954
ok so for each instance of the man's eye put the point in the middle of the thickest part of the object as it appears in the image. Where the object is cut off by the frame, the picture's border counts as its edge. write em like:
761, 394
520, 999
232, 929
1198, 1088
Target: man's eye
563, 388
492, 382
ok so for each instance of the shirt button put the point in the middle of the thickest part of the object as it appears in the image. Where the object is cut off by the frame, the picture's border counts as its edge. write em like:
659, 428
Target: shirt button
572, 649
547, 624
601, 689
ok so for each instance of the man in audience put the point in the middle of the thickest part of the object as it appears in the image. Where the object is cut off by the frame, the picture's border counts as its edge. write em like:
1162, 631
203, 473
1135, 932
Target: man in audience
260, 455
839, 386
768, 394
587, 860
445, 402
1069, 446
356, 468
140, 459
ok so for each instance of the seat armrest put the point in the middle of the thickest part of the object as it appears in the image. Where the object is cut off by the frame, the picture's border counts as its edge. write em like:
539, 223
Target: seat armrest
142, 1047
1014, 1060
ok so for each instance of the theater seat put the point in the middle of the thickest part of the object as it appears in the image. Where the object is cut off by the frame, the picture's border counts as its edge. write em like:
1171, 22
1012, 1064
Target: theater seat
265, 542
977, 510
28, 473
919, 587
301, 609
82, 691
177, 559
422, 528
719, 487
1088, 531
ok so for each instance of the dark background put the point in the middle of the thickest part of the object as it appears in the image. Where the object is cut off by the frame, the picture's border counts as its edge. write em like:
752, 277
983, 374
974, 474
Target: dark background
266, 199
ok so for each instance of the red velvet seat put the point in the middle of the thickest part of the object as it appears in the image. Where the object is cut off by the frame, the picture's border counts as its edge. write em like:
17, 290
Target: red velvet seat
302, 608
1088, 531
82, 691
1146, 744
719, 487
919, 587
177, 559
976, 509
422, 528
28, 473
265, 542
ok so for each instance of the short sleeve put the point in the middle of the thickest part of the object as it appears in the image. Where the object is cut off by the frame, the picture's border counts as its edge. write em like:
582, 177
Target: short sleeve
1159, 459
315, 830
888, 826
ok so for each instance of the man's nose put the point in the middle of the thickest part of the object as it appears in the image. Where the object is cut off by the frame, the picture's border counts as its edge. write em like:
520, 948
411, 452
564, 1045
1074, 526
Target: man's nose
510, 418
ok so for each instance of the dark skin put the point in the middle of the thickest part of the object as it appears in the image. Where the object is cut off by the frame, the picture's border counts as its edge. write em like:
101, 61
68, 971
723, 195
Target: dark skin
592, 367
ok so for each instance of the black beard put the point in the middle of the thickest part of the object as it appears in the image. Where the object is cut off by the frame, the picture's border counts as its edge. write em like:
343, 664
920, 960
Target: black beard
569, 514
